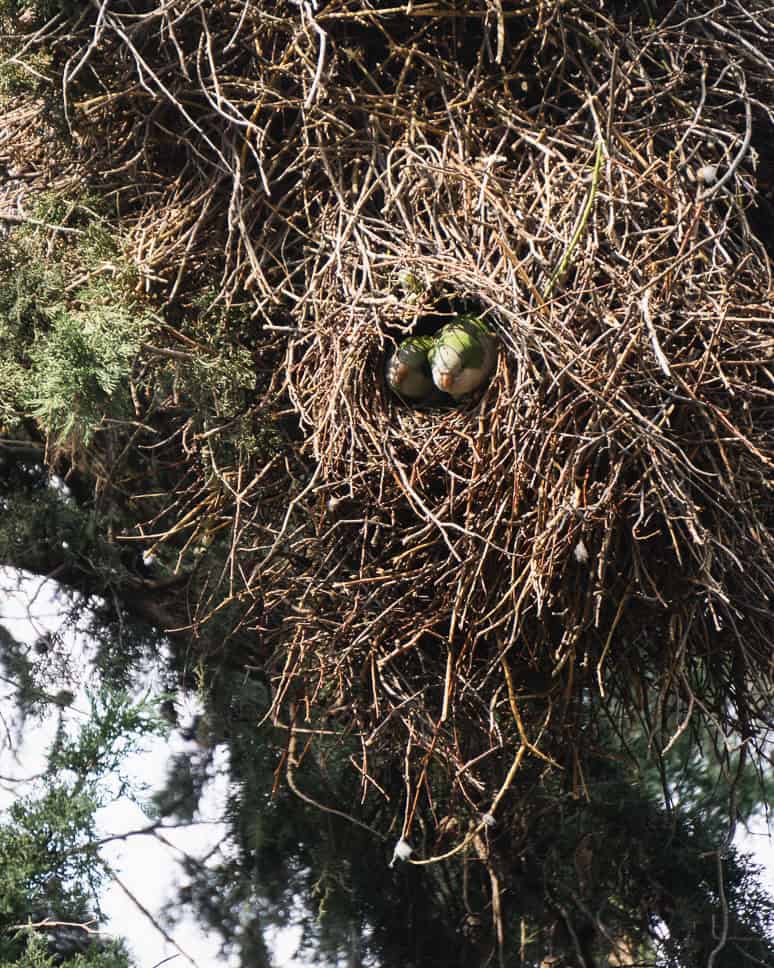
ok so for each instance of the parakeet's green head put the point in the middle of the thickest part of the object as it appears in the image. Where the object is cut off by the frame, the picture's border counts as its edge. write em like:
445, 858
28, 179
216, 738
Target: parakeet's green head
408, 371
457, 347
475, 328
462, 356
412, 352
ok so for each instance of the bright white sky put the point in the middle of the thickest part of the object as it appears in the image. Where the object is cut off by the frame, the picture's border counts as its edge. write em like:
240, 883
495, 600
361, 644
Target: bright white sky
145, 866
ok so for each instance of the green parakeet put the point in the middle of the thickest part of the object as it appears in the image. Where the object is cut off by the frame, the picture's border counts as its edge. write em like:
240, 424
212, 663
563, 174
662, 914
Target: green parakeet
463, 354
407, 371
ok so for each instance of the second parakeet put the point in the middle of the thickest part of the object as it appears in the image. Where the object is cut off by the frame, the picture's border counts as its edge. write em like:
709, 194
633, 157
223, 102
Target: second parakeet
463, 354
407, 370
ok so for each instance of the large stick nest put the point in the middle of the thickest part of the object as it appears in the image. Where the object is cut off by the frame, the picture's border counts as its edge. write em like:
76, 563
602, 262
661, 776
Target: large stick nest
597, 520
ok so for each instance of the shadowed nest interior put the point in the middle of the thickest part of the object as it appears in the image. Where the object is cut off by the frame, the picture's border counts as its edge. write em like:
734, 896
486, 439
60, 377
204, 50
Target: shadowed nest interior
457, 581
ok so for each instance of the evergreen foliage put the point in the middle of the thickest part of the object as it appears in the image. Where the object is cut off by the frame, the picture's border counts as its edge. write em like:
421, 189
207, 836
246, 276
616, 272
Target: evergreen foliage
79, 367
38, 954
67, 351
51, 872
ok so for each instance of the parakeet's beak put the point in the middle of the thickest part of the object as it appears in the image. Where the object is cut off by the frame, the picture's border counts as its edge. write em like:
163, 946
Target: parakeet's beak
400, 371
445, 381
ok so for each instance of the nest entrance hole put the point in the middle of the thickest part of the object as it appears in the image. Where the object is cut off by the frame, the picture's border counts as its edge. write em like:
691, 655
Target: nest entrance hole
441, 310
